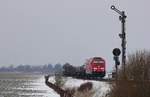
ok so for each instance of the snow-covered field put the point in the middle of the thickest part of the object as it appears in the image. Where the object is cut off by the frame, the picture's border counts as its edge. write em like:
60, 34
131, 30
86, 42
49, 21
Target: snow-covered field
100, 88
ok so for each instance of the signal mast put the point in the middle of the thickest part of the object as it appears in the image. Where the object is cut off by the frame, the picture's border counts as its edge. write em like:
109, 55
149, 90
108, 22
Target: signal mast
122, 35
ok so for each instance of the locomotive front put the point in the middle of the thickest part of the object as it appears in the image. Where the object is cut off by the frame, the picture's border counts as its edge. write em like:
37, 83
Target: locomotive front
96, 67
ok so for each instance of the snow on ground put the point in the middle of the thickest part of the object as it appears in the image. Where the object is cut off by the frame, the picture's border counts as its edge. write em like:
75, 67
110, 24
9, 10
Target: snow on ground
100, 88
42, 86
73, 83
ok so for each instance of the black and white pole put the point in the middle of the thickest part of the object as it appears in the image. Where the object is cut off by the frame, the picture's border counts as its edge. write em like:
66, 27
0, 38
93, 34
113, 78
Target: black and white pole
122, 35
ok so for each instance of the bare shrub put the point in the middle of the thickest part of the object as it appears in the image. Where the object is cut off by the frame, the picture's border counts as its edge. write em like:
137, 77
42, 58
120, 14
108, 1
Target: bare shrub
85, 90
136, 82
59, 81
85, 87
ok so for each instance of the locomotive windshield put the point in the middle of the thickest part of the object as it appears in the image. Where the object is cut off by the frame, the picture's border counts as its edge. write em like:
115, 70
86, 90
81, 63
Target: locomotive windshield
98, 61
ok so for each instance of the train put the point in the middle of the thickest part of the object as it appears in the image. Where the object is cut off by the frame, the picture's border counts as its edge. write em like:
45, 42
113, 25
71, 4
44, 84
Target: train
93, 67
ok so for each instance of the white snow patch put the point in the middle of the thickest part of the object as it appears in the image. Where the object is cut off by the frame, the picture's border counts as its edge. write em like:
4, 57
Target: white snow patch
101, 88
73, 83
42, 86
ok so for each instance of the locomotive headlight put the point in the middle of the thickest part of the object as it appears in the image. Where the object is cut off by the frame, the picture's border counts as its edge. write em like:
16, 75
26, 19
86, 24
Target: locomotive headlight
102, 68
95, 68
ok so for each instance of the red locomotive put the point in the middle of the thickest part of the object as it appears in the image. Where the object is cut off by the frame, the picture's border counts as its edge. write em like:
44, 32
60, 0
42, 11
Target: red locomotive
95, 67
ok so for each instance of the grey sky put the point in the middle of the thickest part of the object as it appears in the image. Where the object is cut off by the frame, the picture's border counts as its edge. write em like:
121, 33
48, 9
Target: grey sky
58, 31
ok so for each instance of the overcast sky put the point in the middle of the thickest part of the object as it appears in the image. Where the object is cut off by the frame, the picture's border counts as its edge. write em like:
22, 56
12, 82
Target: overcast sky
57, 31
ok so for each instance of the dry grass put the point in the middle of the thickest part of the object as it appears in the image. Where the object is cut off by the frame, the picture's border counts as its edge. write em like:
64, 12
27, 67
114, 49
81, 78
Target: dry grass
136, 82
